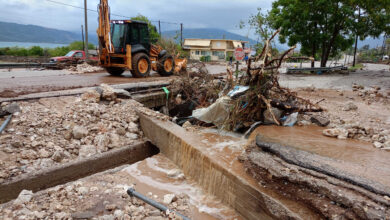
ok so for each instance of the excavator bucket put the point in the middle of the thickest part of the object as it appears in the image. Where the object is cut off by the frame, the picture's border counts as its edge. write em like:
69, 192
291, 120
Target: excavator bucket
180, 64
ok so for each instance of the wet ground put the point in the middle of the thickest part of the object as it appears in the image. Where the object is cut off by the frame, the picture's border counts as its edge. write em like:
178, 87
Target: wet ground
154, 177
369, 162
22, 81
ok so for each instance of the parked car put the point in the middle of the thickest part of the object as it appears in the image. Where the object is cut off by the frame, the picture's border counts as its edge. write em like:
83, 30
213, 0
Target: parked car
72, 56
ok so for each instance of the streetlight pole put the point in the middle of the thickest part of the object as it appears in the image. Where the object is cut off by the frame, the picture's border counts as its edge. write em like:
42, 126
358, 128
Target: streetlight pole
86, 30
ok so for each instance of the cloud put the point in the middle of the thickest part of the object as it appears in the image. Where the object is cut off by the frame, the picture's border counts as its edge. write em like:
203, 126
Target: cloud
223, 14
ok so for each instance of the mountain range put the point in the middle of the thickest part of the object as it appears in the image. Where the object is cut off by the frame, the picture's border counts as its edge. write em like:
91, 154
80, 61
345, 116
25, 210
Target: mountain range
13, 32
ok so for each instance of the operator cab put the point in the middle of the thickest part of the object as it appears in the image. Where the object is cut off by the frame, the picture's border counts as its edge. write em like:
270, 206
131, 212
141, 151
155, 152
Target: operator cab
134, 33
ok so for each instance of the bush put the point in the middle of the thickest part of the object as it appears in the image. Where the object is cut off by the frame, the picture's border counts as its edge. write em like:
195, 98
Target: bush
35, 51
39, 51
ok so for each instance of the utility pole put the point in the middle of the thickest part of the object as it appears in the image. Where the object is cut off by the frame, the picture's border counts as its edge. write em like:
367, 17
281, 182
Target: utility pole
82, 36
159, 27
86, 29
181, 34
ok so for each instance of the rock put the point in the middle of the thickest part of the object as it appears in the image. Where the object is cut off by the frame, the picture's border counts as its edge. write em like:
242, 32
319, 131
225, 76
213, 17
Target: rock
12, 108
87, 151
340, 133
121, 131
108, 93
58, 156
131, 136
43, 153
91, 96
82, 190
118, 214
169, 198
24, 197
83, 215
175, 173
268, 119
378, 144
114, 140
122, 92
154, 218
320, 121
106, 217
102, 141
68, 135
110, 207
386, 144
17, 144
79, 132
187, 124
155, 213
349, 106
133, 127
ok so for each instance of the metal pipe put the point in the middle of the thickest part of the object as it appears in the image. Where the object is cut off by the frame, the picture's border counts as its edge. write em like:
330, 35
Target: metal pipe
153, 203
5, 123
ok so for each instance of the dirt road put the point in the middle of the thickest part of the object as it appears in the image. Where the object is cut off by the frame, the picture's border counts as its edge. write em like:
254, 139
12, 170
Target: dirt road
22, 81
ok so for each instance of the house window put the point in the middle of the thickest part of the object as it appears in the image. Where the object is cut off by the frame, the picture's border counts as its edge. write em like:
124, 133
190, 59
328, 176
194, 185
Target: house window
219, 54
205, 53
197, 52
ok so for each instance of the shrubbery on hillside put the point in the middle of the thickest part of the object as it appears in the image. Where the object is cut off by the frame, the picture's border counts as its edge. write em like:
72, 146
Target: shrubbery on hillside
37, 51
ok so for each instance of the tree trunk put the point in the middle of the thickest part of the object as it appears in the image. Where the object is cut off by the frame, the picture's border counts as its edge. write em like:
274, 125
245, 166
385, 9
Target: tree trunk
354, 53
313, 53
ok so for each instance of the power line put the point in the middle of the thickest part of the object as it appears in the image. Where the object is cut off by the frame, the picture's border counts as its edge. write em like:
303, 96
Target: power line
117, 15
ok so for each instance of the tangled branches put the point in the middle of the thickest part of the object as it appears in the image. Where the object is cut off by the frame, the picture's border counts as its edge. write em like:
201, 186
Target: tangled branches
265, 93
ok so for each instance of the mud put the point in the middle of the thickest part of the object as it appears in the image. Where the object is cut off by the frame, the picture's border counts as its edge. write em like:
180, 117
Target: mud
17, 83
93, 195
369, 162
329, 196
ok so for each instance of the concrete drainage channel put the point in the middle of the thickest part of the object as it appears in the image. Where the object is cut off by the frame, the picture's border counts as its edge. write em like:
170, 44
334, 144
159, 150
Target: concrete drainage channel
215, 170
74, 170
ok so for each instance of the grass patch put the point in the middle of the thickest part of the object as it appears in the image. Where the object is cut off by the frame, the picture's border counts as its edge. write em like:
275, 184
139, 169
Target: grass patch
357, 66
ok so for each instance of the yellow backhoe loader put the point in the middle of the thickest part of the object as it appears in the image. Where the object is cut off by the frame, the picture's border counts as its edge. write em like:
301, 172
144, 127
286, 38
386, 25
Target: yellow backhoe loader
125, 44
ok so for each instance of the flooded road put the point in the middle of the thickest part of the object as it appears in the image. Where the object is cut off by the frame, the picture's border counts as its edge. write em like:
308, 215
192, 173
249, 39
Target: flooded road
370, 162
22, 81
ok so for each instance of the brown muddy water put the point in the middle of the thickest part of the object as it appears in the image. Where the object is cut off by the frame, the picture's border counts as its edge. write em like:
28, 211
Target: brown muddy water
151, 175
370, 162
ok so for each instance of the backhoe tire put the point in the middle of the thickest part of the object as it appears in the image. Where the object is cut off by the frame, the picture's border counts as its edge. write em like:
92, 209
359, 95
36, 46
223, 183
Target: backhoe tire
140, 65
115, 71
166, 65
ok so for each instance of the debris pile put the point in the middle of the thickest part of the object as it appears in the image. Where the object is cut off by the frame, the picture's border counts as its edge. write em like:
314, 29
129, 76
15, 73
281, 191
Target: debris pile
249, 98
102, 198
85, 68
58, 130
371, 95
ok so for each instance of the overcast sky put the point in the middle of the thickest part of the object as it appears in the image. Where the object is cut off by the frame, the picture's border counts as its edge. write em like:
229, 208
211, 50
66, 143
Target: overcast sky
223, 14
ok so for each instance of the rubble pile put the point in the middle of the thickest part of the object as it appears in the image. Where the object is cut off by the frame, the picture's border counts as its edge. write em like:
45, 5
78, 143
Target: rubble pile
371, 95
57, 130
85, 68
100, 199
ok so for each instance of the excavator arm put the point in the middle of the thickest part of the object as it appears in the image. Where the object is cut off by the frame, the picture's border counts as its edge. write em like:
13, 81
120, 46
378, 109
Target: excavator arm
104, 29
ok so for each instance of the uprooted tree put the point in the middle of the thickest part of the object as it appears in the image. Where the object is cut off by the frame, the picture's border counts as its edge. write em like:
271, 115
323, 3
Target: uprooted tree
264, 91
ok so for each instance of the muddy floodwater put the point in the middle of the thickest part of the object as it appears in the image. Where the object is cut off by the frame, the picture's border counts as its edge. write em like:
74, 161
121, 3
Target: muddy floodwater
370, 162
151, 175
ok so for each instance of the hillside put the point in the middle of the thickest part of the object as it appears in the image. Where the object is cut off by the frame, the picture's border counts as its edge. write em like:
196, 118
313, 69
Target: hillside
208, 33
12, 32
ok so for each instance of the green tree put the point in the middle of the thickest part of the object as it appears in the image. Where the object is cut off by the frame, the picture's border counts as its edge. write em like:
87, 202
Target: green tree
153, 34
328, 27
